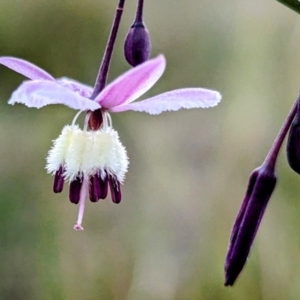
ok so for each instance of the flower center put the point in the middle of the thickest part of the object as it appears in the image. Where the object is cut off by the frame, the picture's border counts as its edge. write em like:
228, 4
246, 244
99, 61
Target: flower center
96, 119
91, 160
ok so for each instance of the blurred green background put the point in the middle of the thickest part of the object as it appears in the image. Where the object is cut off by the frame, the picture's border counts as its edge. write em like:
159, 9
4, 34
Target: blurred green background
189, 169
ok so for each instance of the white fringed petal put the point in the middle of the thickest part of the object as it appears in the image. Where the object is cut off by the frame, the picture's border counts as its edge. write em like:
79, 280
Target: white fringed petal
76, 86
39, 93
25, 68
174, 100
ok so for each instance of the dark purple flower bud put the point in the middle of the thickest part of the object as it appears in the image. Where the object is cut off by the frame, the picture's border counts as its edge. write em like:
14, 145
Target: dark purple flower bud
59, 181
260, 188
137, 44
115, 189
293, 143
74, 190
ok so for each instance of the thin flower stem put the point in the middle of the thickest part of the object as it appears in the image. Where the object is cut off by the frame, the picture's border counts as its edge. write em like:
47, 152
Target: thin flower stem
271, 158
104, 67
139, 11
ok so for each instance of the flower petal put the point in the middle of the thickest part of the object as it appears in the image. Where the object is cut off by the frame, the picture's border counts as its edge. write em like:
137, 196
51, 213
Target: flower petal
25, 68
38, 93
76, 86
174, 100
132, 84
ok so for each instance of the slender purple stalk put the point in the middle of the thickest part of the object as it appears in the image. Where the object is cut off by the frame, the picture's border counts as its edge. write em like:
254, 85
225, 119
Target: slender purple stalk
271, 158
104, 67
139, 11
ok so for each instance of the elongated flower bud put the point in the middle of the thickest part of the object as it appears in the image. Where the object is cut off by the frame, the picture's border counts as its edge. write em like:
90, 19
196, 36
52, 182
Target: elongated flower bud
260, 188
137, 44
293, 144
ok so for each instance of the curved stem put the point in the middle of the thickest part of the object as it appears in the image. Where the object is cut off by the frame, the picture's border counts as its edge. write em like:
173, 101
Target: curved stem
271, 158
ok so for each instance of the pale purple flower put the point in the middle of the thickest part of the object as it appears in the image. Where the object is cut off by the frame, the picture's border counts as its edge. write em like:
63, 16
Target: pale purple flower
93, 159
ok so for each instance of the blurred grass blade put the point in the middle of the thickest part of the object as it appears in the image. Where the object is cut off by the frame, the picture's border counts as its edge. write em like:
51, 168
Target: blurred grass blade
292, 4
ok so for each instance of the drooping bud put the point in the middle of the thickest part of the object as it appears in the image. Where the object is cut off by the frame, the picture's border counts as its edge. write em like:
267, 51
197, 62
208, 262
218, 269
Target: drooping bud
137, 45
293, 143
260, 188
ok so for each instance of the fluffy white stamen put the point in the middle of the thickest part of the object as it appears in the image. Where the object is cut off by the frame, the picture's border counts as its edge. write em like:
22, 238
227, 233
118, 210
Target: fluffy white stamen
57, 154
88, 152
108, 154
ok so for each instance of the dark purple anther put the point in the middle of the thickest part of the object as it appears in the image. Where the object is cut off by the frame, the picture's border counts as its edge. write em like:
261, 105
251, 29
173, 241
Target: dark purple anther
59, 181
260, 188
137, 43
74, 190
103, 187
95, 188
293, 144
115, 189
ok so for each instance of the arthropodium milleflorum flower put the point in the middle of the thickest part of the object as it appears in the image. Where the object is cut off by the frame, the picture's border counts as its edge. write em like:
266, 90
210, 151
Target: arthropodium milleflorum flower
91, 159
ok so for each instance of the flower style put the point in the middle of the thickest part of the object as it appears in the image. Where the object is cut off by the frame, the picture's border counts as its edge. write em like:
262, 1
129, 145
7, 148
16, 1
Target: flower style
93, 158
